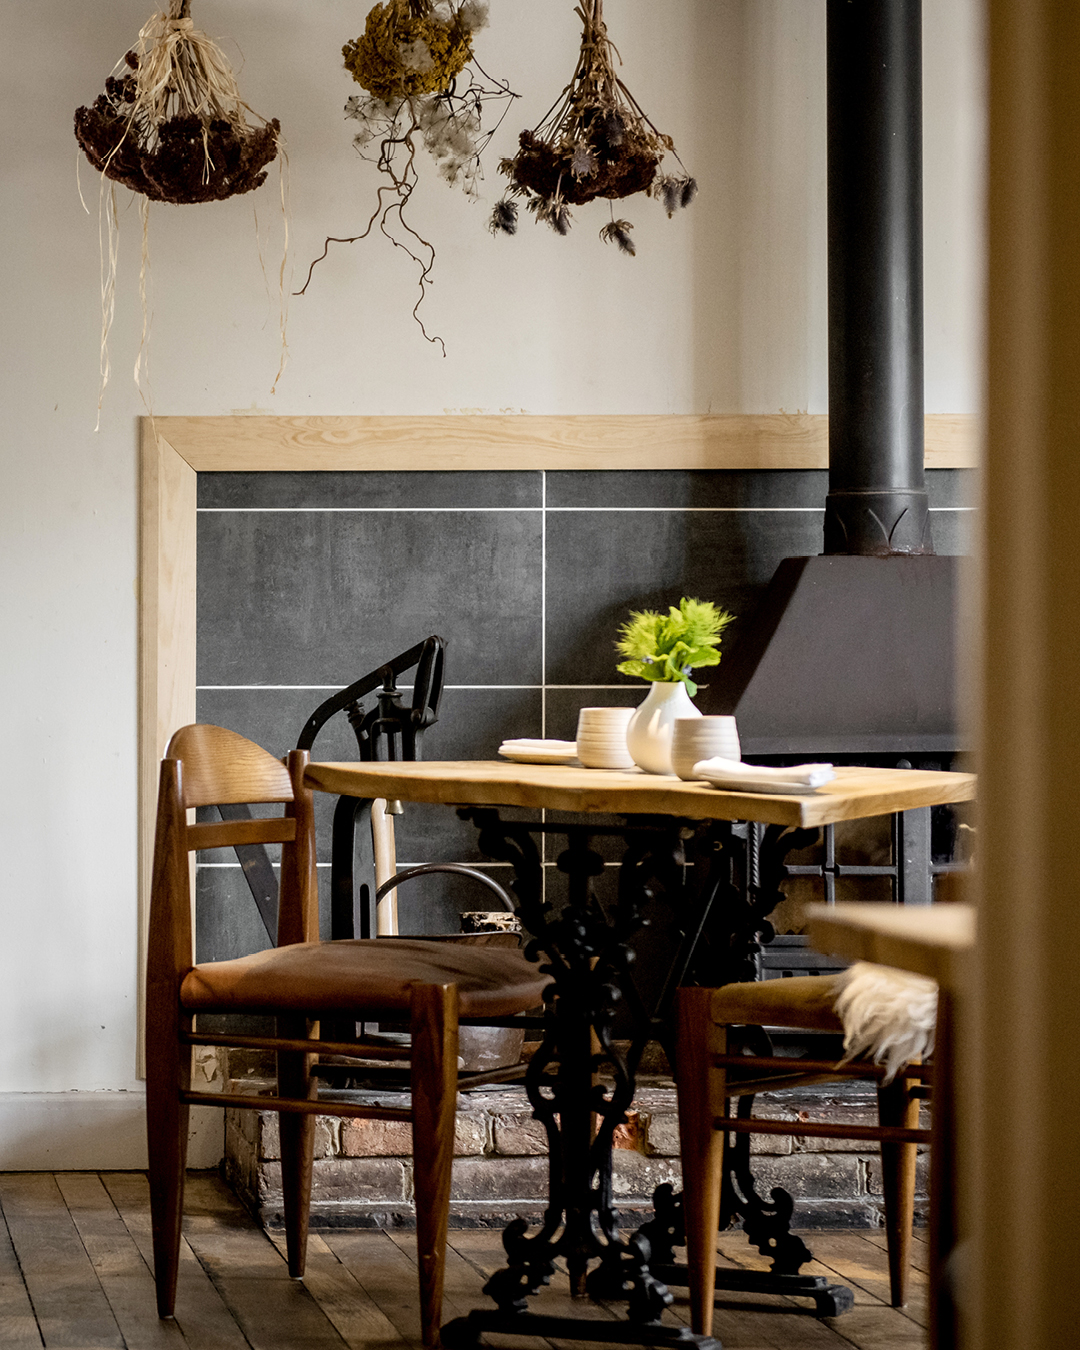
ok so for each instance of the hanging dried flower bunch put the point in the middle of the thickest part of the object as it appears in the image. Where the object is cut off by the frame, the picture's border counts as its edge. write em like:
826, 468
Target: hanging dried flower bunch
171, 124
172, 127
424, 87
594, 142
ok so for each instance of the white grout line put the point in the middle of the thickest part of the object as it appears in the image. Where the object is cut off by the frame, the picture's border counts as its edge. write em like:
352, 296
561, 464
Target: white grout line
535, 510
543, 655
401, 866
484, 688
543, 604
403, 688
356, 510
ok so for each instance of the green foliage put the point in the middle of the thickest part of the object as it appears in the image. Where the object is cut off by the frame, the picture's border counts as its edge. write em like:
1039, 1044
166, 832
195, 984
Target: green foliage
668, 646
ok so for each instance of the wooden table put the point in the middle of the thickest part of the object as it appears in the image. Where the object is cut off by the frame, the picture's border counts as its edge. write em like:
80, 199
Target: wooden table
666, 823
852, 795
937, 942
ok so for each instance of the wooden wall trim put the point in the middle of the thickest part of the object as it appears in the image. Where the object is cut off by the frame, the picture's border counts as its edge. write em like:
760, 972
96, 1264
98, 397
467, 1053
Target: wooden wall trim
174, 450
690, 441
167, 486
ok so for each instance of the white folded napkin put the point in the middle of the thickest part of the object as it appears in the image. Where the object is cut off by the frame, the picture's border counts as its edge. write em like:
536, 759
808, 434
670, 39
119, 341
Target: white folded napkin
735, 773
525, 743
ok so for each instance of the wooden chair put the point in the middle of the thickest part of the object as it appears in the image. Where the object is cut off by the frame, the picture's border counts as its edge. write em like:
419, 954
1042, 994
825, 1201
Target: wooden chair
708, 1076
299, 981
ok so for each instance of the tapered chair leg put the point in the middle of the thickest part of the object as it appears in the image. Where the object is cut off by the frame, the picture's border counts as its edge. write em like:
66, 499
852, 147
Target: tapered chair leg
701, 1099
168, 1069
434, 1028
897, 1106
297, 1146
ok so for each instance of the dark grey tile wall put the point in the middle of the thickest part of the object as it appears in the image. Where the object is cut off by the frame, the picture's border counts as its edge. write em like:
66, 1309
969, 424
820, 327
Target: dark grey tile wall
308, 580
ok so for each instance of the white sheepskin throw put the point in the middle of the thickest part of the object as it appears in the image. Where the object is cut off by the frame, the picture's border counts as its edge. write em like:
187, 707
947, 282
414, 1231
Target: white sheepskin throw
888, 1015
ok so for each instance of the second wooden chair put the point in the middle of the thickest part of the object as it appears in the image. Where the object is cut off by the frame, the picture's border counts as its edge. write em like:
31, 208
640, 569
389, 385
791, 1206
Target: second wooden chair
708, 1075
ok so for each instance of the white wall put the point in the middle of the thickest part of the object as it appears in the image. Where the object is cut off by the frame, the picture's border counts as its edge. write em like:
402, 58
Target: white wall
722, 310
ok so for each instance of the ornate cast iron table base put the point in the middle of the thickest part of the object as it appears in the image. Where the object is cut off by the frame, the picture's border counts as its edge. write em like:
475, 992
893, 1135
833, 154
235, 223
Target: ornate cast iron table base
465, 1332
580, 1082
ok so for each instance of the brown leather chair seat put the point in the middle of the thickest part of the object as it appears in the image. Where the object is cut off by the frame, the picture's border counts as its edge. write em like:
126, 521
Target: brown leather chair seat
337, 977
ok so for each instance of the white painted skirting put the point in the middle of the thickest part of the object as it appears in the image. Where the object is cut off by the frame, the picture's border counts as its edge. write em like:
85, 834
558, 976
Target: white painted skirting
92, 1131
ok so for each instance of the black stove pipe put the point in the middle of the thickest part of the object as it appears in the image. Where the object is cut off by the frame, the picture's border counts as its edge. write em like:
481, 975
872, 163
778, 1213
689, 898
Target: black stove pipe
877, 502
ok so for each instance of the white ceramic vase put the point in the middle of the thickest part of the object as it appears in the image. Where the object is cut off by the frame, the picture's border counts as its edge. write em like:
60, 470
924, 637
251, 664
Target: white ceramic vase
648, 736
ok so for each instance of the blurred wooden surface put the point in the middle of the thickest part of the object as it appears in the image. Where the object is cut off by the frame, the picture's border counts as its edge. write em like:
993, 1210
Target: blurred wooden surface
75, 1272
930, 940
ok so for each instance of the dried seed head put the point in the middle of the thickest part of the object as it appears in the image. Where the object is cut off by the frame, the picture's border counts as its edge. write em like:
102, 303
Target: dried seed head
559, 219
609, 130
552, 211
618, 232
689, 191
670, 194
504, 218
583, 162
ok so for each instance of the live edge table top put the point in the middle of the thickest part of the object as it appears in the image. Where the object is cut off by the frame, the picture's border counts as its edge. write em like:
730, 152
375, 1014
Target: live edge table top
853, 794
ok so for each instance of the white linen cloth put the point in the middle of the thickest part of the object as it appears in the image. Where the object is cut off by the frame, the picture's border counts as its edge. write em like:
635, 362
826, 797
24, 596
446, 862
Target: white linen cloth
526, 743
734, 773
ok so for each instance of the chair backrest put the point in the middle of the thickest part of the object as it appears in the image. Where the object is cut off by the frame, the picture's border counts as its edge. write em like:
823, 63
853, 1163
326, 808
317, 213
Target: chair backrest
209, 766
222, 766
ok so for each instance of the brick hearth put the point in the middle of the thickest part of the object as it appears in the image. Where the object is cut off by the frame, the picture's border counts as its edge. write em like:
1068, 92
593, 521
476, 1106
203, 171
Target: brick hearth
363, 1168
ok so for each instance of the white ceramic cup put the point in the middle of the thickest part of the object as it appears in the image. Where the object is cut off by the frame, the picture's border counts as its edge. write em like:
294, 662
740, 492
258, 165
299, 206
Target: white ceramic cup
696, 738
601, 738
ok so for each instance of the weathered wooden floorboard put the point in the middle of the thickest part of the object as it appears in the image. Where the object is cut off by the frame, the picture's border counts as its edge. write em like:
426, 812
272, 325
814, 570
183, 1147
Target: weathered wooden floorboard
69, 1304
203, 1319
75, 1260
463, 1282
250, 1274
385, 1274
920, 1247
850, 1260
122, 1272
17, 1321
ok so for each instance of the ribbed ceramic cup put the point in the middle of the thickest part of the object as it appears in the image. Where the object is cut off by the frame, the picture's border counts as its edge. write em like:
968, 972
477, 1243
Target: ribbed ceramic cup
696, 738
601, 738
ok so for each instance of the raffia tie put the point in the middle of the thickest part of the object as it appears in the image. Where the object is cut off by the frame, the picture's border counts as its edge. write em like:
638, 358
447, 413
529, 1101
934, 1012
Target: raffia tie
178, 61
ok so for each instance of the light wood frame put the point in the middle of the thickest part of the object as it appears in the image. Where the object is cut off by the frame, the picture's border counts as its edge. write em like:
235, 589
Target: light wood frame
175, 449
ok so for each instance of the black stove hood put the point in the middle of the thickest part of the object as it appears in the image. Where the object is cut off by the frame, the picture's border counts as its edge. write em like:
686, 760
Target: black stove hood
852, 652
847, 656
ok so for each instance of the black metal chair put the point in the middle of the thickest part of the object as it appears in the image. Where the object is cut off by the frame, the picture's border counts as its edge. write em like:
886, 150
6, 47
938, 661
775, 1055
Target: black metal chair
387, 730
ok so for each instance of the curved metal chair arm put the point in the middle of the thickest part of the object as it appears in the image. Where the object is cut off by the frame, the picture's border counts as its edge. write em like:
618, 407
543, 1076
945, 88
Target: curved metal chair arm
427, 656
460, 869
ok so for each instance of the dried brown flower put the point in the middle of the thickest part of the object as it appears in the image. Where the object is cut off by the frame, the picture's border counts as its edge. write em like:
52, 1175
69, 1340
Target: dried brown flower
171, 124
595, 142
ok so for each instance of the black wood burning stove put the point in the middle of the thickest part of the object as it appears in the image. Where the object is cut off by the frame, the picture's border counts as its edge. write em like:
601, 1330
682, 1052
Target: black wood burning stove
851, 654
